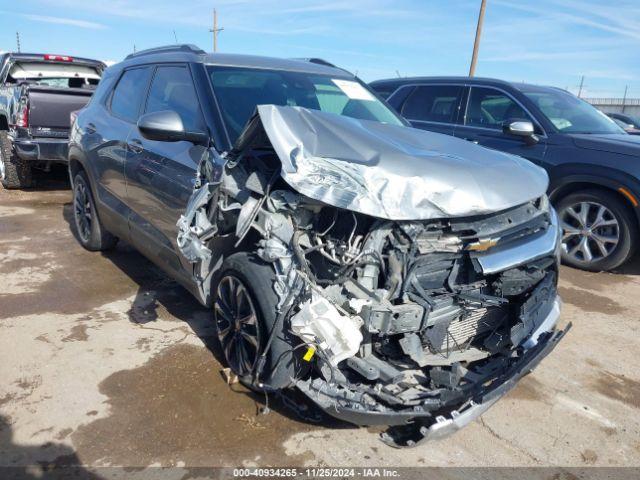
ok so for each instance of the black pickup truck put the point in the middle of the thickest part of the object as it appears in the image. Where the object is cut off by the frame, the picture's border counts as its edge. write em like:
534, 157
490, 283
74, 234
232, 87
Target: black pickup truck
38, 92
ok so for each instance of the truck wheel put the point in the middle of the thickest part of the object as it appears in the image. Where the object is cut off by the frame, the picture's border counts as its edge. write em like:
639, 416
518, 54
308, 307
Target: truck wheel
599, 231
245, 313
90, 232
14, 172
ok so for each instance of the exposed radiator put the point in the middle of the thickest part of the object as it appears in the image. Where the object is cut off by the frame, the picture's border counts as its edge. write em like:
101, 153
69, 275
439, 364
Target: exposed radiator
462, 330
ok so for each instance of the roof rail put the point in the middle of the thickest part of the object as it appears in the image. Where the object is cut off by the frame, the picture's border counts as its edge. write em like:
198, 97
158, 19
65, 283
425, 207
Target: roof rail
319, 61
185, 48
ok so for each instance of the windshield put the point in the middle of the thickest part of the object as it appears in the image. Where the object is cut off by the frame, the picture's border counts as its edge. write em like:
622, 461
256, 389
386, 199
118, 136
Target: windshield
569, 114
240, 90
620, 123
629, 120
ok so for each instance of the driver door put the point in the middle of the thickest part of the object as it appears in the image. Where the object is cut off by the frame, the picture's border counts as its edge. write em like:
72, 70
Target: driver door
160, 175
487, 110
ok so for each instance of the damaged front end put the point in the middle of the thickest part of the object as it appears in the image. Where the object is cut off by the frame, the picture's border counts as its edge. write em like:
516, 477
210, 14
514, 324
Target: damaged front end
418, 317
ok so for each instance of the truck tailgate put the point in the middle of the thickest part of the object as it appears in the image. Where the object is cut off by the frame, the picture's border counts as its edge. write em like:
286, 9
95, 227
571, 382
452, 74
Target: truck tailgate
49, 107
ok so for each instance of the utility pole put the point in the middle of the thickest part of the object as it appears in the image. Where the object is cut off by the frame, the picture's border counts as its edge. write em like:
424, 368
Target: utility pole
215, 30
175, 37
476, 43
18, 40
624, 98
581, 85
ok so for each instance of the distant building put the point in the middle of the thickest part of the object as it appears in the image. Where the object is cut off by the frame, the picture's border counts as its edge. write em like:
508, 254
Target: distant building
630, 106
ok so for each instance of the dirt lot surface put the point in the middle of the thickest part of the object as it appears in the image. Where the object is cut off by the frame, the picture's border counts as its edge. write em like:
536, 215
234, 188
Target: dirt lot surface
103, 361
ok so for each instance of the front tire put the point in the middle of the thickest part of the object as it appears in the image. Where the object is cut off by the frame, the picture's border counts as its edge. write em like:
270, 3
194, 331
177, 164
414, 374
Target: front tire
245, 313
599, 230
14, 172
89, 230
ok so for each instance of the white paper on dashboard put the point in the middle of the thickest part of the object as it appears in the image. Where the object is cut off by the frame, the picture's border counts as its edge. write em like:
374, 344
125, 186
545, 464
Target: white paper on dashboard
353, 90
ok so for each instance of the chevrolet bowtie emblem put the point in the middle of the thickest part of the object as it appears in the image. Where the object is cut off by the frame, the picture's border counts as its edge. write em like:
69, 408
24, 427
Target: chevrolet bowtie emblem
483, 245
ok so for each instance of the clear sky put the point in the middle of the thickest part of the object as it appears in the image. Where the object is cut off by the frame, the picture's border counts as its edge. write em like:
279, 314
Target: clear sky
550, 42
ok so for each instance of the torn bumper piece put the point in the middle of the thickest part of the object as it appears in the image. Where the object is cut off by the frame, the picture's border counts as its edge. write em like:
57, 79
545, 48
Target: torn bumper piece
435, 421
458, 419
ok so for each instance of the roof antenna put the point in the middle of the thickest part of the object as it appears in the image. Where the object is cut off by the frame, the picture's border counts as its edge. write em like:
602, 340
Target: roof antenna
18, 40
398, 74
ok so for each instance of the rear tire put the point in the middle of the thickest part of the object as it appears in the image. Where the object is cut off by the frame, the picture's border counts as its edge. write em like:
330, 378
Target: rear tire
591, 247
14, 172
247, 277
89, 230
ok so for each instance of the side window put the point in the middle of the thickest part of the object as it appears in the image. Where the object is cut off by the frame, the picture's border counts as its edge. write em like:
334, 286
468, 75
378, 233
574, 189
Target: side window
491, 108
172, 89
437, 103
129, 93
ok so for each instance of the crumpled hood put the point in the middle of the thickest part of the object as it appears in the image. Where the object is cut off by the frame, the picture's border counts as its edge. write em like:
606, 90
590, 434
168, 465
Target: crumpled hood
612, 143
394, 172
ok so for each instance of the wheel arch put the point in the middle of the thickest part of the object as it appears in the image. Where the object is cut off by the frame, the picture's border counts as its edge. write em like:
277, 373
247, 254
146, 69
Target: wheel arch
585, 182
223, 250
77, 163
74, 167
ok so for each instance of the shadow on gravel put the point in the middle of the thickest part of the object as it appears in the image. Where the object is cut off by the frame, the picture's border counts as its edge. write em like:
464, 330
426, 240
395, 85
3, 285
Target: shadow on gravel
160, 297
26, 462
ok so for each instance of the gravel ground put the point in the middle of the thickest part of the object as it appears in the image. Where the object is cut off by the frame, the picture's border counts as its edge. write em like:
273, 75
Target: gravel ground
104, 361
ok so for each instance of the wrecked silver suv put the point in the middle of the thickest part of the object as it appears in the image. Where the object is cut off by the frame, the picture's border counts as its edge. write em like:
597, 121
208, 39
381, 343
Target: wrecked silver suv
392, 275
413, 276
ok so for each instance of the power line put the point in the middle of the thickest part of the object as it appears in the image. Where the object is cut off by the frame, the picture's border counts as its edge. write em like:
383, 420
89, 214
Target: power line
476, 43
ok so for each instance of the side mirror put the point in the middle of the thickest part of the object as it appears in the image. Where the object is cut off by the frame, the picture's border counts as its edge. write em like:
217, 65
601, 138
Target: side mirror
167, 126
521, 128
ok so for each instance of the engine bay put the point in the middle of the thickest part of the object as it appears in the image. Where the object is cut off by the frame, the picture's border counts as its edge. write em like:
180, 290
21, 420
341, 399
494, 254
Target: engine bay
408, 323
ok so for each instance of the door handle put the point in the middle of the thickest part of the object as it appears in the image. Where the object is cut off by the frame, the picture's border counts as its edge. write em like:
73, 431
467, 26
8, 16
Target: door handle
135, 146
90, 128
471, 140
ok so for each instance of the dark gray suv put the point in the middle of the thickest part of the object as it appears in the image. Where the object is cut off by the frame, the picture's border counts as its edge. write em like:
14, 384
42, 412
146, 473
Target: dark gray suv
393, 276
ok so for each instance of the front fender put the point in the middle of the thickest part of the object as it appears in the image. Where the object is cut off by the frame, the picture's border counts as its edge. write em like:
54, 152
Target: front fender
565, 177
